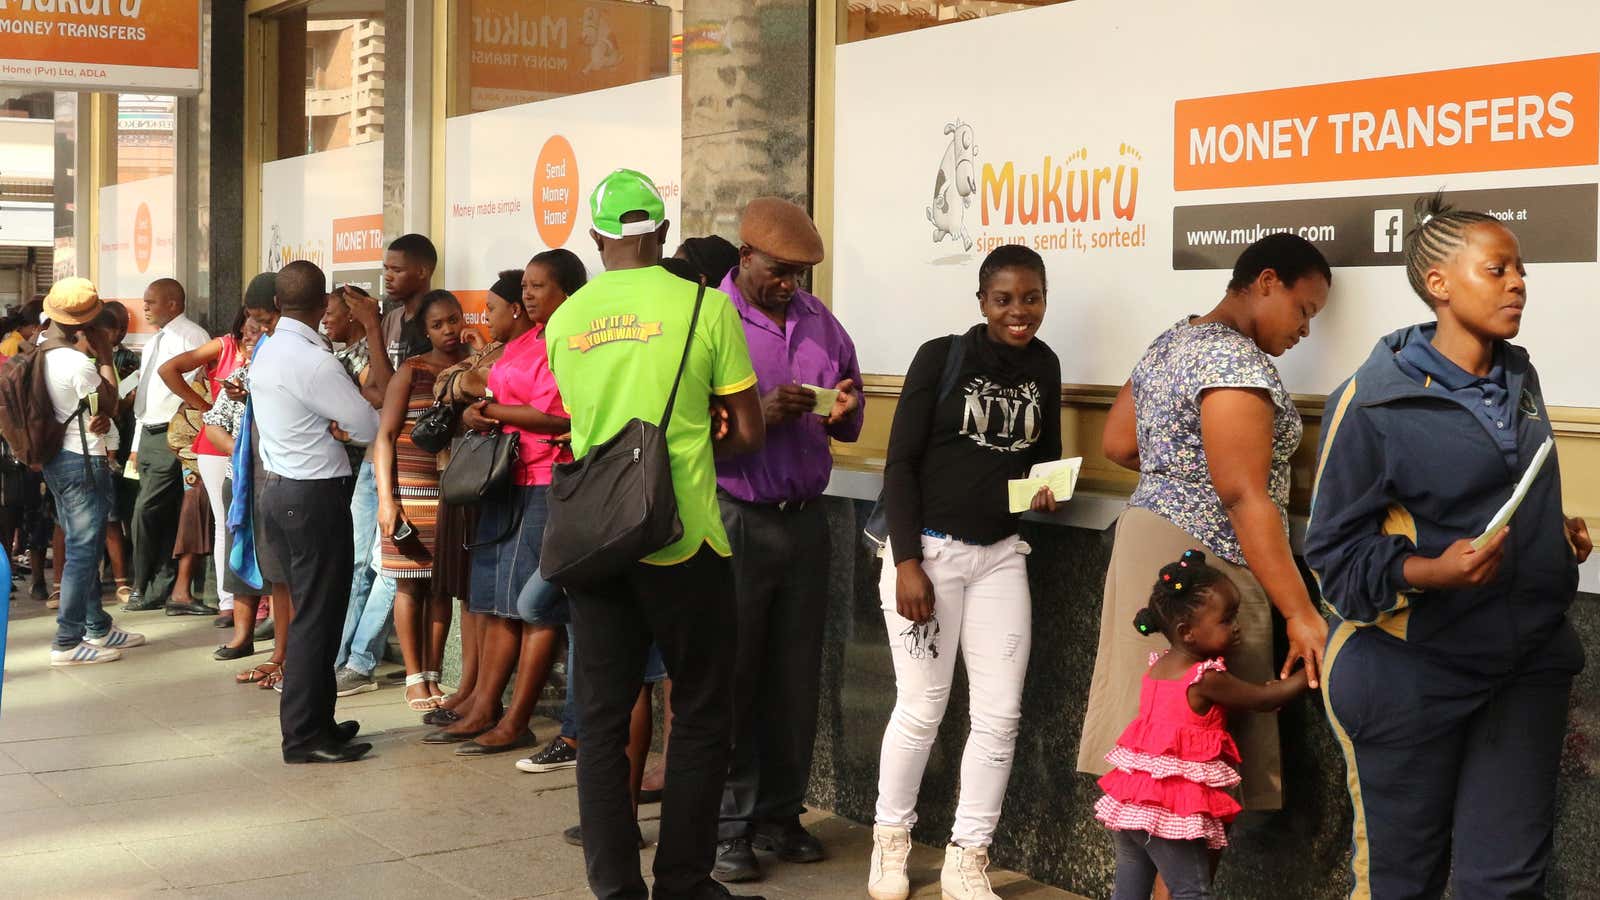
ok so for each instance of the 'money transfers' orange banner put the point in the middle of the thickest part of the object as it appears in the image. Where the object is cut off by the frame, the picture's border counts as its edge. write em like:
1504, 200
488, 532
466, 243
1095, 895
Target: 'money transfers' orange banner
1520, 115
358, 239
101, 43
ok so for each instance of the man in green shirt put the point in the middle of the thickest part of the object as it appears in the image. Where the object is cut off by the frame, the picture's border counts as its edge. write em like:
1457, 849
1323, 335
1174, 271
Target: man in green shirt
614, 347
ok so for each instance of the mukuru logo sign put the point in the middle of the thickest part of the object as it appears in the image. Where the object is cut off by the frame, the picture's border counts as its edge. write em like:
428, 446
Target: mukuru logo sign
1074, 201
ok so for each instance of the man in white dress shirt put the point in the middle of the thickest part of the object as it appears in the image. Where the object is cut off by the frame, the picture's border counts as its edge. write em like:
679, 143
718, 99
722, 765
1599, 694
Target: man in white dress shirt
155, 512
305, 405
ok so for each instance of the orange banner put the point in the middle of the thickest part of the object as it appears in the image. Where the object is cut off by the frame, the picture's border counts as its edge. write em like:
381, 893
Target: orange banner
101, 43
1521, 115
519, 51
358, 239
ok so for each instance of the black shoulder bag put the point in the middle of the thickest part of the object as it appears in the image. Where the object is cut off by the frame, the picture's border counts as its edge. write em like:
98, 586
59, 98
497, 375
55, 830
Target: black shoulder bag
875, 534
615, 506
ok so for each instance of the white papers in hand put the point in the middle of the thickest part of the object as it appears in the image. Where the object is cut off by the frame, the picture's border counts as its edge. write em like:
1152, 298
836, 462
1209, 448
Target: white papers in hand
1503, 517
1060, 476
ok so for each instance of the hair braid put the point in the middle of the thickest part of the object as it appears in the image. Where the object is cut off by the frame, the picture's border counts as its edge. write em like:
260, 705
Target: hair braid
1440, 233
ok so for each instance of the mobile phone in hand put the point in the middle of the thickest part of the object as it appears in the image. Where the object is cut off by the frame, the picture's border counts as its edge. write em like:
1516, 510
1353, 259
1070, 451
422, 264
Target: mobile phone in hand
404, 532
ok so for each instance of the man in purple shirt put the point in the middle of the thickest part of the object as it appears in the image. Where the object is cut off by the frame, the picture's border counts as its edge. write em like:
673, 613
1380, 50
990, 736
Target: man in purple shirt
779, 534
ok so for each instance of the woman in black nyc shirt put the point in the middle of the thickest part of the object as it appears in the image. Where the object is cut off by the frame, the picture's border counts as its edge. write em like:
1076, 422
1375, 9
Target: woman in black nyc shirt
977, 410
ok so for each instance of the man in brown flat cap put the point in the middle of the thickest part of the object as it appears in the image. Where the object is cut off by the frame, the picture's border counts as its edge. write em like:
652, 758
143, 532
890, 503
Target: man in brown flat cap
808, 378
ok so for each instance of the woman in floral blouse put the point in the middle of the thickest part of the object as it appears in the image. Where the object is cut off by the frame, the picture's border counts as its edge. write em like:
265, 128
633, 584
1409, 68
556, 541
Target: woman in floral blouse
1208, 425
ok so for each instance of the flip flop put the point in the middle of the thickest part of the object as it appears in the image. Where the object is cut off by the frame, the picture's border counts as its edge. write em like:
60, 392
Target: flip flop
259, 673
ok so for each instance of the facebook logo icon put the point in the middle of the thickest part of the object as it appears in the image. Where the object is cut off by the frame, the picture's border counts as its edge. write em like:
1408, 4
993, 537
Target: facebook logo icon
1386, 232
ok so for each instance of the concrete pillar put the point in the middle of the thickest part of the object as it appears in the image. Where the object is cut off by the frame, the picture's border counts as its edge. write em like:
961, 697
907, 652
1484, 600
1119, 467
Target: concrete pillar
407, 116
747, 113
210, 167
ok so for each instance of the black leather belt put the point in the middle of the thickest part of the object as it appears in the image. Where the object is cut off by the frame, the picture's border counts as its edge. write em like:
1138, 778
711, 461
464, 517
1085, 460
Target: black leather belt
155, 429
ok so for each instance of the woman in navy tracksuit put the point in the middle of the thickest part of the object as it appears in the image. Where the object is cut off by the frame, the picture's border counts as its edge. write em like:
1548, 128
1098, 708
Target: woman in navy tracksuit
1448, 669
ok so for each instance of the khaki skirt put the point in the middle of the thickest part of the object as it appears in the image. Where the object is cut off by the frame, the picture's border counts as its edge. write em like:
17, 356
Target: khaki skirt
1144, 543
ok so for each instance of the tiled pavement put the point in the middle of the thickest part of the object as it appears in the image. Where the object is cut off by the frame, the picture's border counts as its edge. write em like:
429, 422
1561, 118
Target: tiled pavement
157, 775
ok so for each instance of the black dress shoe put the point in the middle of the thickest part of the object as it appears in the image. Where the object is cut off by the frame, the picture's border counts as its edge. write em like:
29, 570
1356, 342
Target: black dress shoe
574, 836
138, 602
329, 753
345, 732
225, 620
706, 890
226, 653
264, 630
789, 840
736, 861
188, 609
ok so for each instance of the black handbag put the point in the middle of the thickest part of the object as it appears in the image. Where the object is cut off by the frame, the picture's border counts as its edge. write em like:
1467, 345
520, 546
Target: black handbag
480, 467
616, 505
437, 424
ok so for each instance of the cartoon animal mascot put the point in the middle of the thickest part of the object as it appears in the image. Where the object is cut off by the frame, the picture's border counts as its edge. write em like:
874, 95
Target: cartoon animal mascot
958, 173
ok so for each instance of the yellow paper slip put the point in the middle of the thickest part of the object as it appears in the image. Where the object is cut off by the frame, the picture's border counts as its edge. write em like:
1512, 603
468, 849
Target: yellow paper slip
826, 397
1060, 476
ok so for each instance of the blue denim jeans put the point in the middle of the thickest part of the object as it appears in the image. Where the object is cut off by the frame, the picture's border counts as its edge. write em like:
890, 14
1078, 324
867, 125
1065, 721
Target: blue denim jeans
366, 623
655, 672
83, 496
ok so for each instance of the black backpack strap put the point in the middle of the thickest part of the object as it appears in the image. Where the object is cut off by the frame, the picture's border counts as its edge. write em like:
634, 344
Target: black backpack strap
688, 342
952, 366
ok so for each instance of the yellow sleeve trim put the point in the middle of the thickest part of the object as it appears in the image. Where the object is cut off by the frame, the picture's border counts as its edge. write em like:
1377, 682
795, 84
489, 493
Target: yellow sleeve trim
744, 384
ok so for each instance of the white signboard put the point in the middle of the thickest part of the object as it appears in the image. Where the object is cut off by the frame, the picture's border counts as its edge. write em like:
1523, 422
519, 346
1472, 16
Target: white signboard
327, 208
1140, 145
517, 180
137, 241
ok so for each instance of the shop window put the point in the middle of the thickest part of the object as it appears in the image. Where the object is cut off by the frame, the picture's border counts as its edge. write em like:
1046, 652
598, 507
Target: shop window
330, 87
509, 52
861, 20
147, 137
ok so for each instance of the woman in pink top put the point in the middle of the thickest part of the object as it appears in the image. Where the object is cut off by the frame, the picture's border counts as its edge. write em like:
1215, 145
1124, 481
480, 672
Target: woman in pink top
220, 357
524, 614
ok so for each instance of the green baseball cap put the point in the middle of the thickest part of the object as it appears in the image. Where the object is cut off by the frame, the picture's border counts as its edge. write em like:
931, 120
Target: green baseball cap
622, 192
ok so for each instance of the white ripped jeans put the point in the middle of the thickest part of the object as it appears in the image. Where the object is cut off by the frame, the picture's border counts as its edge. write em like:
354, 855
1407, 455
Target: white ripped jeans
981, 605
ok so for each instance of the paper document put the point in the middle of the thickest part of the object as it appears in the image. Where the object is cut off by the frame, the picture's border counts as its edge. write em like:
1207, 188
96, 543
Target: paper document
126, 385
1503, 517
826, 397
1060, 476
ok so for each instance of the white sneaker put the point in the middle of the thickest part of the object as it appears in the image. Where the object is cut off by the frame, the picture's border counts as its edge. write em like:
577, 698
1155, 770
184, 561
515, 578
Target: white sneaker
116, 639
887, 880
85, 654
965, 875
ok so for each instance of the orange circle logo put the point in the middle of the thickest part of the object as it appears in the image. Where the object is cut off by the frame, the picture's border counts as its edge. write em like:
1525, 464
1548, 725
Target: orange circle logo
555, 192
143, 237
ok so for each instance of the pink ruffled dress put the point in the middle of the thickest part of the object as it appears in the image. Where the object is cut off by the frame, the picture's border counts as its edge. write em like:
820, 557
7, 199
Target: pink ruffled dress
1172, 766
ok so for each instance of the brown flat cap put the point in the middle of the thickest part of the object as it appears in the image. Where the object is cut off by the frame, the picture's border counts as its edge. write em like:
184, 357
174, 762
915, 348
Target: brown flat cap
781, 230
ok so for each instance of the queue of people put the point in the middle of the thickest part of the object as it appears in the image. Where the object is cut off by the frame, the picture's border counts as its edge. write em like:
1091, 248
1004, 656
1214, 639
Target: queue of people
309, 451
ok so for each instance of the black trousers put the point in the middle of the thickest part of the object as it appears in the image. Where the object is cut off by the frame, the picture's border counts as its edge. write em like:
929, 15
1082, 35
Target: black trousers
155, 516
780, 579
687, 610
308, 523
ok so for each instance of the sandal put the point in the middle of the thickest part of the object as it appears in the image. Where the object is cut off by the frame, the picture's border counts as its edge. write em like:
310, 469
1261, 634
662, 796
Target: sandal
123, 593
420, 704
257, 674
54, 602
273, 682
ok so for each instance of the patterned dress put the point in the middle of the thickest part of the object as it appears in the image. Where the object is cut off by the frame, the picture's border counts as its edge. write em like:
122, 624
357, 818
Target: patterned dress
416, 480
1174, 479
